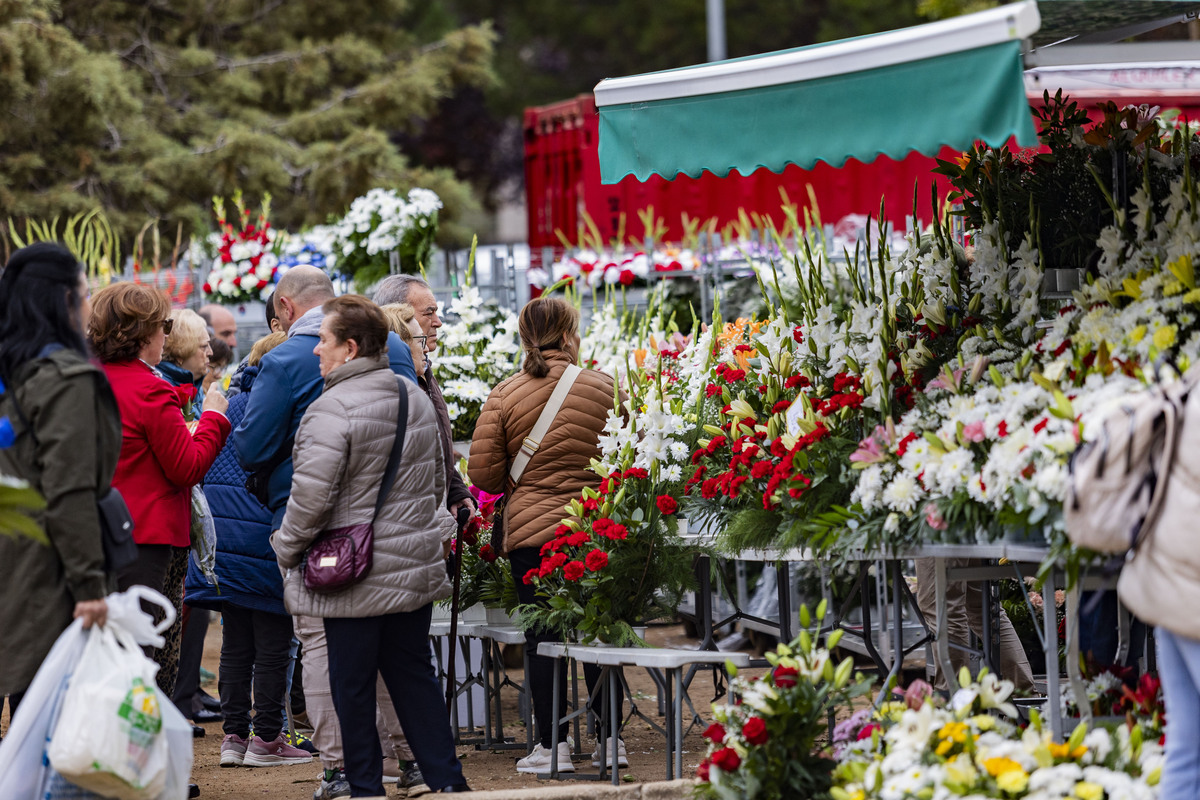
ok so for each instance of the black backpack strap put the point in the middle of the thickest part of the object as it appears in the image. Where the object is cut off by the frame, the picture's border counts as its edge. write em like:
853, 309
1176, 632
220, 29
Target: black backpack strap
393, 463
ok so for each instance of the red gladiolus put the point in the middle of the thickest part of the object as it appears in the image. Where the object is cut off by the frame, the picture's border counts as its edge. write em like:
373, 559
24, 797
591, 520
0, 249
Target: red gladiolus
785, 677
596, 560
666, 504
715, 733
755, 731
798, 334
726, 759
573, 571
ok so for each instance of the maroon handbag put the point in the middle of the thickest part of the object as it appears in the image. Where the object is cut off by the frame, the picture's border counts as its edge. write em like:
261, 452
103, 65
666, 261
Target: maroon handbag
341, 557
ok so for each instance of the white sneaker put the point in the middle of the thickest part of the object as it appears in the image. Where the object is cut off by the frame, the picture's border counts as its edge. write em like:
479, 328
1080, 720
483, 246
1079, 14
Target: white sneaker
622, 761
539, 760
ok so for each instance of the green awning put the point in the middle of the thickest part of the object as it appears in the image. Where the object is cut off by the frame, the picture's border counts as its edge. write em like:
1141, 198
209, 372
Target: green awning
947, 83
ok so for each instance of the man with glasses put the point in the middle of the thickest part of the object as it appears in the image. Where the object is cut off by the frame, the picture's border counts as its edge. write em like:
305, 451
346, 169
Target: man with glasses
415, 292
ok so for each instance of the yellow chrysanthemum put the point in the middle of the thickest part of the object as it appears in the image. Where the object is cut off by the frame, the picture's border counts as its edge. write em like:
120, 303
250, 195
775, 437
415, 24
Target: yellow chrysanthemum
998, 766
954, 732
1064, 751
1164, 337
984, 722
1012, 782
1089, 791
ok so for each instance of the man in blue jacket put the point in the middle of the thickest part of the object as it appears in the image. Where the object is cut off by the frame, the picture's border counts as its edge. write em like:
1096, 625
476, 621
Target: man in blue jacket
288, 381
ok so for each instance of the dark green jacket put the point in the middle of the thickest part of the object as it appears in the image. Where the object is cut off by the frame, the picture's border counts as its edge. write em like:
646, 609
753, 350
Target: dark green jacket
71, 409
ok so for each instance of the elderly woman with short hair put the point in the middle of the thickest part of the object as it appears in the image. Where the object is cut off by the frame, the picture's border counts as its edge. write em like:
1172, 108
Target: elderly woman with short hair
160, 459
186, 353
379, 625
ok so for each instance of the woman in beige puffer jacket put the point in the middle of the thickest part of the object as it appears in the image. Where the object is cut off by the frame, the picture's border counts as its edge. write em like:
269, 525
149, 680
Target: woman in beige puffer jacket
379, 626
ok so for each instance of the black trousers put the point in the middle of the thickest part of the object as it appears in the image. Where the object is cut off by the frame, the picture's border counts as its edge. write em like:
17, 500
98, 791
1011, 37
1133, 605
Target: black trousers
254, 663
396, 647
162, 568
542, 669
191, 651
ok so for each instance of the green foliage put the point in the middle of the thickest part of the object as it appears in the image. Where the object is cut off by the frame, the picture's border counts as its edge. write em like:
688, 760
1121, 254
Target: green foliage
149, 110
17, 500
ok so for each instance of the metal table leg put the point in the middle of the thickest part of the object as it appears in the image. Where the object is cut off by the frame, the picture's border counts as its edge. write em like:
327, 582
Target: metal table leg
1053, 689
943, 636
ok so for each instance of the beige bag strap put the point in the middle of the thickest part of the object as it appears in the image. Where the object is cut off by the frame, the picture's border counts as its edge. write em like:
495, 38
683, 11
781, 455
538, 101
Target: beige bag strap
533, 441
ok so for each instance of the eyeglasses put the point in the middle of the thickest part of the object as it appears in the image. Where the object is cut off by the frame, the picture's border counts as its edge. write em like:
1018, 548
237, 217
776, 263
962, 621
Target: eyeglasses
421, 339
167, 325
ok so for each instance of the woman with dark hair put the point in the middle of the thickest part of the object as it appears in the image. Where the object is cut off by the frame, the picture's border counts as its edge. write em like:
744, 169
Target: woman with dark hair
557, 472
160, 459
380, 625
68, 438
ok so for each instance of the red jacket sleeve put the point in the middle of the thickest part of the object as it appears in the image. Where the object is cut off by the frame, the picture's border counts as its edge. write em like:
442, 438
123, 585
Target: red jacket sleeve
185, 458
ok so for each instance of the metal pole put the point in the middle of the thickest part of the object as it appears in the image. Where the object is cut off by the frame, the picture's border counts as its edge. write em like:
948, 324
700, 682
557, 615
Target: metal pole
716, 29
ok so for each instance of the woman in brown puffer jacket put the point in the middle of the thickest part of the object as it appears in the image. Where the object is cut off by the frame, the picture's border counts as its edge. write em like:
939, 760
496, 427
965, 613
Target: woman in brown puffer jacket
556, 474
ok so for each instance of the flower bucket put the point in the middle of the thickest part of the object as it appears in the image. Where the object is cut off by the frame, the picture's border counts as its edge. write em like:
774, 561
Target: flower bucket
498, 616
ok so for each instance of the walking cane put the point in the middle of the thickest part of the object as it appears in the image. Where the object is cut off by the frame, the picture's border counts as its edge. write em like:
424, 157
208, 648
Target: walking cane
464, 519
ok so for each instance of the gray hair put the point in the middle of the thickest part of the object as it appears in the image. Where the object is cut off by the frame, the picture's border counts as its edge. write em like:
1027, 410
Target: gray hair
395, 289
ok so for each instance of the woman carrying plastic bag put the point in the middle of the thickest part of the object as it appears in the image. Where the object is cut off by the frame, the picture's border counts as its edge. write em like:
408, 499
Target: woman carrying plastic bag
93, 723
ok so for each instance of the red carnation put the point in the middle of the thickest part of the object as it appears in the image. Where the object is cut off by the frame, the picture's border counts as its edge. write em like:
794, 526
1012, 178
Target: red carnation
755, 731
702, 771
530, 575
627, 277
576, 539
709, 391
591, 505
726, 759
666, 504
715, 733
867, 730
573, 571
596, 560
487, 553
636, 472
785, 677
563, 530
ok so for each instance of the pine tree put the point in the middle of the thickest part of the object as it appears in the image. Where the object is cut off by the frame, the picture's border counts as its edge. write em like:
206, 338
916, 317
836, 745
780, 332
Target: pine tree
149, 108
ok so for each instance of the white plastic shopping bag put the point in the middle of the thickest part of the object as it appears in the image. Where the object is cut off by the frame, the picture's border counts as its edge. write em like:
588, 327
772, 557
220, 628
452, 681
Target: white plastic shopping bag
25, 771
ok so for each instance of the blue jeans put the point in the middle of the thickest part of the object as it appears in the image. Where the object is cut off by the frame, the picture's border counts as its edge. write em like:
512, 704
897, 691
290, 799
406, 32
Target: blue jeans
1179, 670
395, 646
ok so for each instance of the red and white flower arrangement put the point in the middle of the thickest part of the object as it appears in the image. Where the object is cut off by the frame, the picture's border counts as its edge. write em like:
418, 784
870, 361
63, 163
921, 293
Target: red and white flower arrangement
246, 266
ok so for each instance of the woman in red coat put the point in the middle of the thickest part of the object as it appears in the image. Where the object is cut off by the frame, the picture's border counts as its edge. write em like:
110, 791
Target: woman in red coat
160, 459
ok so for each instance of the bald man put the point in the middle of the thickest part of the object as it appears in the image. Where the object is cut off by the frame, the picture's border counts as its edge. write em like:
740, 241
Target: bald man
289, 379
221, 320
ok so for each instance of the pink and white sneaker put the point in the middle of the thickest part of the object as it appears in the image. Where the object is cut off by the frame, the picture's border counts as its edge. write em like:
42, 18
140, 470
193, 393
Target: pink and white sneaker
277, 753
233, 751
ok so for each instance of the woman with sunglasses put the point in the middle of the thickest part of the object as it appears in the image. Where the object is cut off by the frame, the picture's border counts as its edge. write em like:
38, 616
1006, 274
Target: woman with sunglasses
160, 460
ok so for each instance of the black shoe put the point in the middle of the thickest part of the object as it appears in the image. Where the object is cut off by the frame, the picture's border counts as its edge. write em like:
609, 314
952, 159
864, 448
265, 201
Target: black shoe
458, 787
204, 715
193, 791
207, 700
197, 732
412, 777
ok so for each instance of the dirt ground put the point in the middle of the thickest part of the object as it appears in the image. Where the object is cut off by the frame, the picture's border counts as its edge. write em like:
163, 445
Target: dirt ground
483, 769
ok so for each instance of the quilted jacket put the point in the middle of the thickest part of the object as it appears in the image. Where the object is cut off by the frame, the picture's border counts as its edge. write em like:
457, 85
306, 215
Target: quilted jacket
342, 448
558, 472
247, 572
290, 379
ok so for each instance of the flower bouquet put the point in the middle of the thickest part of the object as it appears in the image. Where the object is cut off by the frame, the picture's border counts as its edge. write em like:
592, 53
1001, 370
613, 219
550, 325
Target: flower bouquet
245, 267
972, 748
619, 559
476, 351
766, 743
382, 221
486, 576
